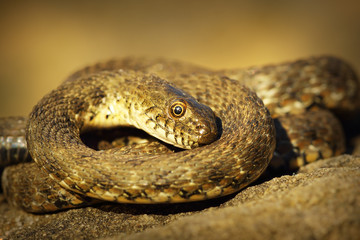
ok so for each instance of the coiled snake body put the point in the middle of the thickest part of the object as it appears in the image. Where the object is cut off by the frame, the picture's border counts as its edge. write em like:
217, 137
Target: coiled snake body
217, 116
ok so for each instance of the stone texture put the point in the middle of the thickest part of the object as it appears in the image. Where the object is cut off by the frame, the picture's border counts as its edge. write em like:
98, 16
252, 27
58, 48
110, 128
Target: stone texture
321, 201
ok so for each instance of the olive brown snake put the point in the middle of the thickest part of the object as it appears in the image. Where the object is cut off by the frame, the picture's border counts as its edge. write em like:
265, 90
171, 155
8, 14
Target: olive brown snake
226, 120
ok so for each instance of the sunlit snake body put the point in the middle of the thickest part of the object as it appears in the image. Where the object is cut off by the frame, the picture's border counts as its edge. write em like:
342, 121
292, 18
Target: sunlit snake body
228, 131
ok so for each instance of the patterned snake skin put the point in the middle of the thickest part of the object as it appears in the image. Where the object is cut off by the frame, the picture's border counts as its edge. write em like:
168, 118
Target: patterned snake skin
229, 123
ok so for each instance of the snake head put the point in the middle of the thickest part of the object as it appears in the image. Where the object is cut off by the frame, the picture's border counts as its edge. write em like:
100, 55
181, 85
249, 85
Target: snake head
191, 117
175, 117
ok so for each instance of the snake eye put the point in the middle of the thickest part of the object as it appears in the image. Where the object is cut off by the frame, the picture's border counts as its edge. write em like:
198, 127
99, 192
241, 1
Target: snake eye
177, 109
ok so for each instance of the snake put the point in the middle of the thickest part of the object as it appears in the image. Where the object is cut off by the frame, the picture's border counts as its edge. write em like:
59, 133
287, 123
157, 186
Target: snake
215, 131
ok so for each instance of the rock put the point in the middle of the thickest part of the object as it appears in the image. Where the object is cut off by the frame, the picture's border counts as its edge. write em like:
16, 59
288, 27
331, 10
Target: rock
321, 201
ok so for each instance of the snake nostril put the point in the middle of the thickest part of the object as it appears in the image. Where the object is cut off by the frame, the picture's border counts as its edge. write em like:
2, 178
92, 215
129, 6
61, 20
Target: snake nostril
199, 126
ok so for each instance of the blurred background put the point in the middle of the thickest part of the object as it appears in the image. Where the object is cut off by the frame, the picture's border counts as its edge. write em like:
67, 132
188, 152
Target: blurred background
42, 42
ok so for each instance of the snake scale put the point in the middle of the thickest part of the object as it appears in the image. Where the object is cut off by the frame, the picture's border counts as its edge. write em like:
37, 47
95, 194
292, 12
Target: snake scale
230, 123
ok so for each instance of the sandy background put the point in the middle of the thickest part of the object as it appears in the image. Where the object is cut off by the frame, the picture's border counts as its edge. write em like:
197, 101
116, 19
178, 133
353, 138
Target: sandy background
42, 42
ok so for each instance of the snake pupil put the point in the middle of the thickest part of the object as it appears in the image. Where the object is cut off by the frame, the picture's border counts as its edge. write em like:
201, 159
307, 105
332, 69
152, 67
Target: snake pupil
178, 110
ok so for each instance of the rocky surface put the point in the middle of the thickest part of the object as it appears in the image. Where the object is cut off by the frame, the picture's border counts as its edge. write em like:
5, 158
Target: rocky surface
321, 201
